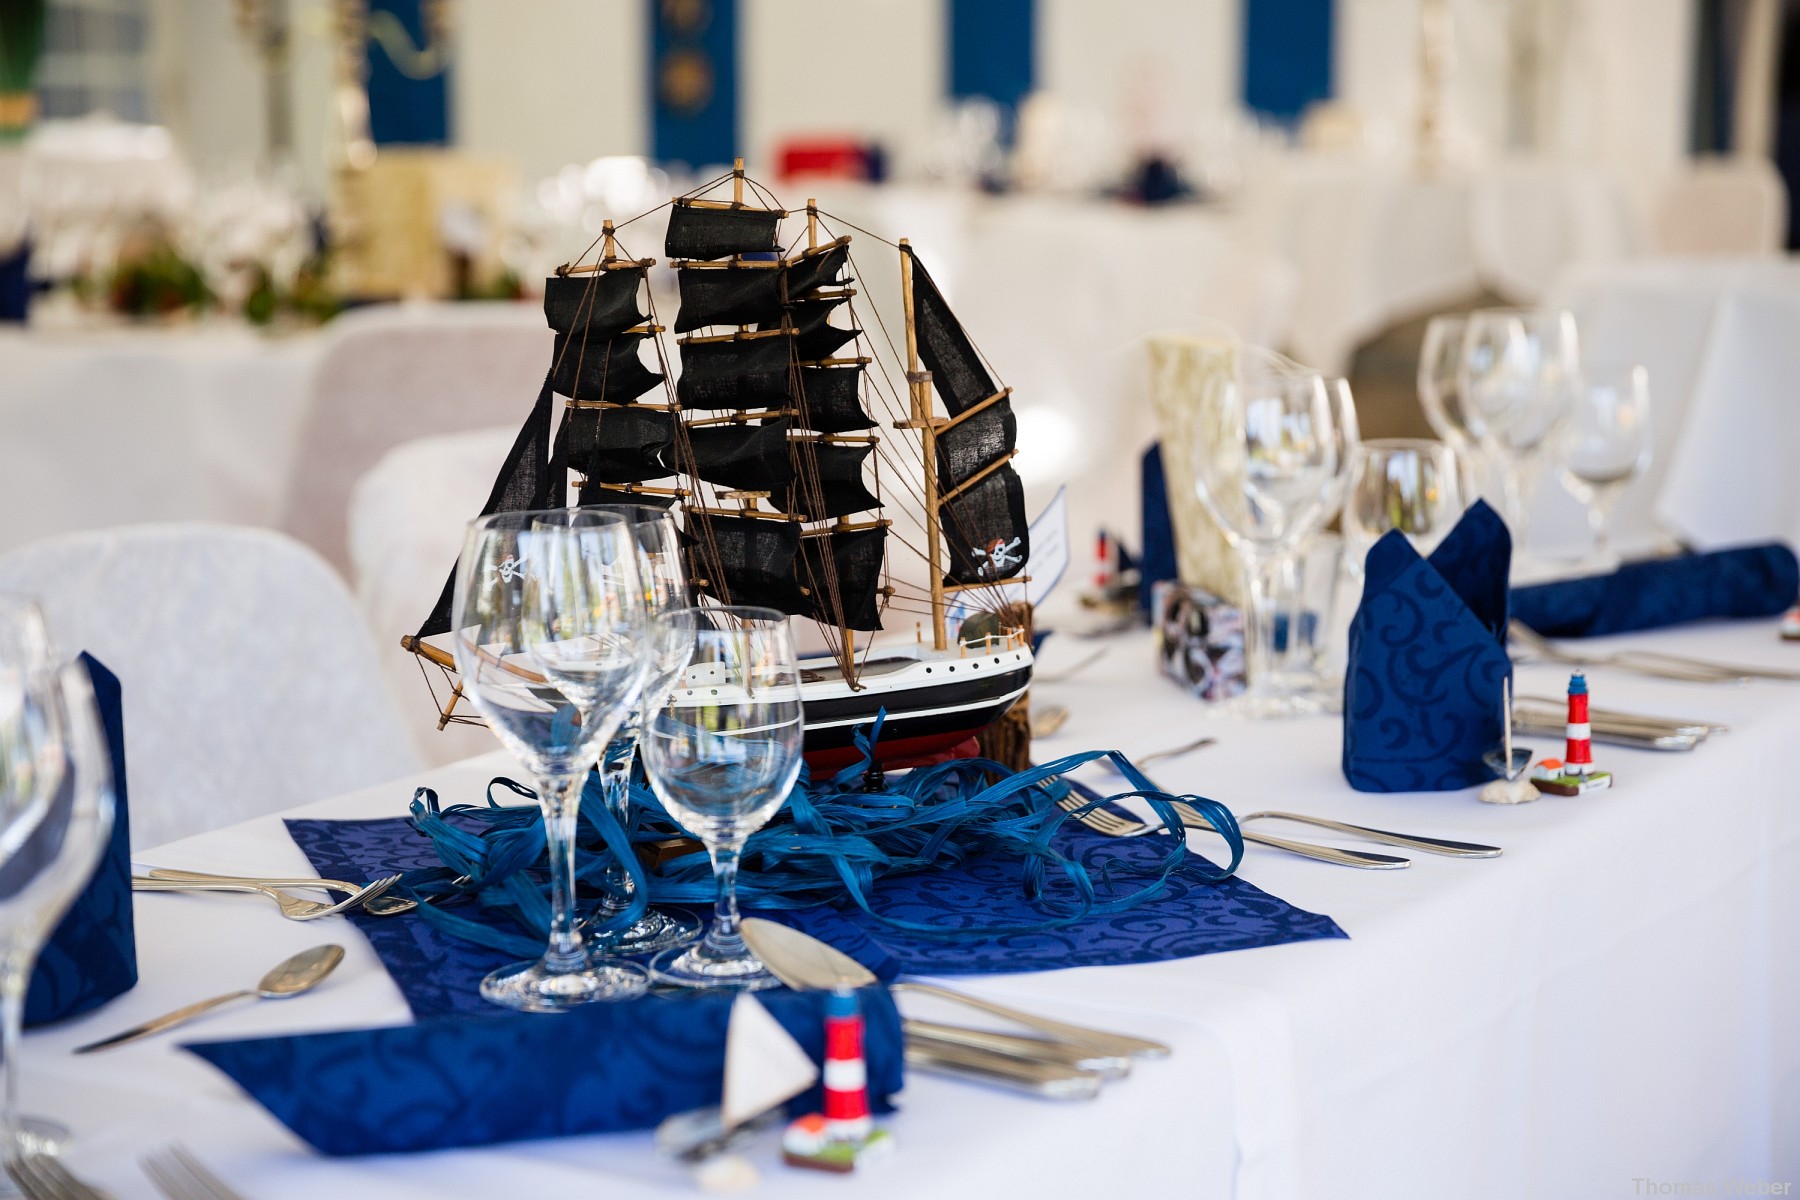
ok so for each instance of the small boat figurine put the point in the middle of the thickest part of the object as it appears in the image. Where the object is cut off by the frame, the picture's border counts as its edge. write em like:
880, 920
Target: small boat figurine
765, 446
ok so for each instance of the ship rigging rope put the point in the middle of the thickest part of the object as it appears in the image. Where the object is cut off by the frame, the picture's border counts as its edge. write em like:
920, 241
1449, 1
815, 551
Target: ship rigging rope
975, 598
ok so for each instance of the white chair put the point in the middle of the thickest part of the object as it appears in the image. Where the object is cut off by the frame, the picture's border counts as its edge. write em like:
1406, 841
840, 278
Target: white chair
250, 681
1530, 220
394, 374
1723, 206
407, 518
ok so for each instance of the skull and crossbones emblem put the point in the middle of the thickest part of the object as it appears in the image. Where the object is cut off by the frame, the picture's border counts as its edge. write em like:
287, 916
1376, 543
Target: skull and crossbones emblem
999, 555
509, 569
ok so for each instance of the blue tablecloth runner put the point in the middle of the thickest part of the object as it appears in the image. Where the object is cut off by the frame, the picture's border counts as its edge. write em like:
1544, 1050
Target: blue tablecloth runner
439, 975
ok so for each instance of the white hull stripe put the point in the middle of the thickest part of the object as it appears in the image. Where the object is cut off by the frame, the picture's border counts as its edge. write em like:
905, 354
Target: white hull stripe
922, 712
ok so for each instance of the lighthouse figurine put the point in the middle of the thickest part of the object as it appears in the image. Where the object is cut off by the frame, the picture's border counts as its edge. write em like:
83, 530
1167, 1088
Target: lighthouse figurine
843, 1138
1574, 773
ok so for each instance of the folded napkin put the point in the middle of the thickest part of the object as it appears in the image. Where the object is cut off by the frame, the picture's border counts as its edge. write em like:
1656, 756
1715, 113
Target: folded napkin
92, 955
1422, 692
477, 1081
1753, 581
1156, 563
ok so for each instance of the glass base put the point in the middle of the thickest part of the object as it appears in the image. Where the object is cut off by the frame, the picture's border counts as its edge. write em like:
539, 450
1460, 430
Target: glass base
530, 987
1267, 706
654, 931
699, 967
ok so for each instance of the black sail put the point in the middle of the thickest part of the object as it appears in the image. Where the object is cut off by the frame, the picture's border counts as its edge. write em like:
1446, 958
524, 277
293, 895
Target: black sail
742, 560
743, 457
741, 373
966, 448
956, 369
600, 304
985, 530
705, 232
618, 445
815, 269
831, 400
830, 482
855, 564
815, 336
728, 296
607, 370
526, 481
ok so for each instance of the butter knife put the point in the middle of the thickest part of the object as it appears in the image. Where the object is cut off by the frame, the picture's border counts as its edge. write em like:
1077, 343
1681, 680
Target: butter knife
1410, 841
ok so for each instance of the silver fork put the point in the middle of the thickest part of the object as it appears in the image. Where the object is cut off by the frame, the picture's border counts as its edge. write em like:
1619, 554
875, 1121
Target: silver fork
1113, 825
42, 1177
377, 905
292, 907
178, 1175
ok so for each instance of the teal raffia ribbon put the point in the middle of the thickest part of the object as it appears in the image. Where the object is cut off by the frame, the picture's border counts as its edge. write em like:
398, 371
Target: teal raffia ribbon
832, 839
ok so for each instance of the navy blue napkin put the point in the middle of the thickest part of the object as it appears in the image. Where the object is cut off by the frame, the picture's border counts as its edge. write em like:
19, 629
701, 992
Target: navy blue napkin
1753, 581
478, 1081
440, 975
92, 955
1422, 692
1157, 562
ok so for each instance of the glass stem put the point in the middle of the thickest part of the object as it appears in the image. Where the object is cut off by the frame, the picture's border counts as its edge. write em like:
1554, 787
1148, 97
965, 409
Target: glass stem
1600, 514
615, 779
560, 802
1259, 626
13, 981
723, 937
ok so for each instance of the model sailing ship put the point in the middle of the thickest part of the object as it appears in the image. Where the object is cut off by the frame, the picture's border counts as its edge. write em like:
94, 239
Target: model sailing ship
765, 446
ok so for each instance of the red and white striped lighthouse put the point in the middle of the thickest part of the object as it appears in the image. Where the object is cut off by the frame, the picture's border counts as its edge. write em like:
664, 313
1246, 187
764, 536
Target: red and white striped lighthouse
1578, 758
846, 1076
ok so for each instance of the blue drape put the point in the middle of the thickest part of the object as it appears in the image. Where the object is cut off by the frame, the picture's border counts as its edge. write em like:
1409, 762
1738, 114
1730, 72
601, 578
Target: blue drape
693, 81
1287, 55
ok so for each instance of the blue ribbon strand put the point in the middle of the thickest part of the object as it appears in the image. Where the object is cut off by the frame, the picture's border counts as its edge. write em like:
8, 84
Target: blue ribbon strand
832, 840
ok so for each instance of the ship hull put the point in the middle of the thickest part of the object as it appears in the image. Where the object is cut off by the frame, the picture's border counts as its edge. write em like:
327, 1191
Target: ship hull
933, 705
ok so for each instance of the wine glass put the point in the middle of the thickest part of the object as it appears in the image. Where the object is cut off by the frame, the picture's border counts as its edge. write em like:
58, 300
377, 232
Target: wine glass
1410, 484
1270, 453
665, 589
1606, 446
550, 639
56, 813
1519, 374
1441, 398
723, 753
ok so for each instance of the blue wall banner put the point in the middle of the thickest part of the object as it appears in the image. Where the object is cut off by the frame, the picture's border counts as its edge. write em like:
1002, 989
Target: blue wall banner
1287, 55
991, 50
409, 97
693, 81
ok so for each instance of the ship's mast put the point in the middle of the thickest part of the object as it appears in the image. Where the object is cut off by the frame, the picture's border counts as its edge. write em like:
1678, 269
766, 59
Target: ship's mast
919, 385
847, 646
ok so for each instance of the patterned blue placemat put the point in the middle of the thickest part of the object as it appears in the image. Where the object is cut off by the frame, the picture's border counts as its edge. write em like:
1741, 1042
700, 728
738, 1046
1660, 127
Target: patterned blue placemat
439, 974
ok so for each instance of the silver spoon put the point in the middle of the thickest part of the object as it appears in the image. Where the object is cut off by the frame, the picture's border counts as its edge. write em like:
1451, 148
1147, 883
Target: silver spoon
297, 974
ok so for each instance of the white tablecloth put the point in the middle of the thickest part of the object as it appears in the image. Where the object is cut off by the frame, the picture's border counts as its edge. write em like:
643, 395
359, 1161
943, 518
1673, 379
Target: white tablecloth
1719, 340
1609, 1001
119, 426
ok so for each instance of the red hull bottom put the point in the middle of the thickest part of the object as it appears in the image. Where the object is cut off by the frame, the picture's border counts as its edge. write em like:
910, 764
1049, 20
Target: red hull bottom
900, 754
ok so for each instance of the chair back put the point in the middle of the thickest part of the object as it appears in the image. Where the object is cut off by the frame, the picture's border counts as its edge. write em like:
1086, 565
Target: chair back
250, 680
407, 518
401, 372
1724, 207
